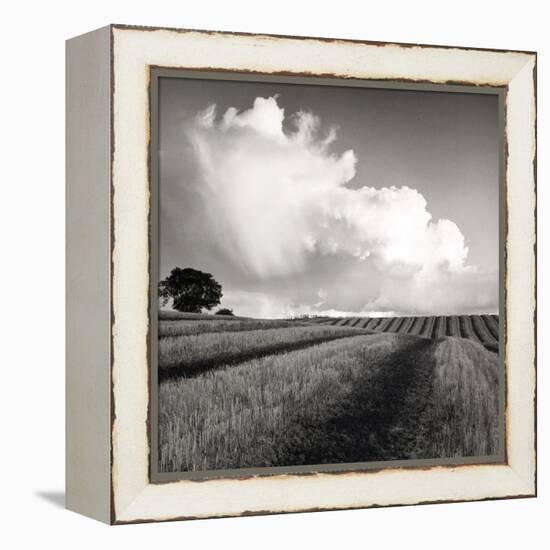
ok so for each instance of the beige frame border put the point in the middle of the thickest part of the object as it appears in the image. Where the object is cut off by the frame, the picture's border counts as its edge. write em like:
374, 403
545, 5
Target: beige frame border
134, 51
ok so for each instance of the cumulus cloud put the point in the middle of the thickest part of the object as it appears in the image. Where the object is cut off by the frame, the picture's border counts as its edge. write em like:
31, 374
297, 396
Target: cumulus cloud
278, 196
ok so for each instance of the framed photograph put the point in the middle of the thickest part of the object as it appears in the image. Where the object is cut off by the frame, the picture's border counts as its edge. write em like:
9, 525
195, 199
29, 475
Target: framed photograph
301, 274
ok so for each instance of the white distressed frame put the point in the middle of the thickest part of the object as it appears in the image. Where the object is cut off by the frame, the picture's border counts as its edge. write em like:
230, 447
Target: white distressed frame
134, 50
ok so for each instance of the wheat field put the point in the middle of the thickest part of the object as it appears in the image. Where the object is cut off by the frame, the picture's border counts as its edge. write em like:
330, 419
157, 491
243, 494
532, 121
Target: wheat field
191, 353
323, 391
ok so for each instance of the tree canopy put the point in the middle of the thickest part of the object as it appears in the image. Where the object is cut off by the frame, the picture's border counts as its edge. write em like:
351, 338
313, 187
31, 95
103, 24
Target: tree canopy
225, 311
190, 290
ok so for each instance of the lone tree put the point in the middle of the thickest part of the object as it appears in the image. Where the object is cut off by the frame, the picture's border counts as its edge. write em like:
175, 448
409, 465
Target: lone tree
190, 290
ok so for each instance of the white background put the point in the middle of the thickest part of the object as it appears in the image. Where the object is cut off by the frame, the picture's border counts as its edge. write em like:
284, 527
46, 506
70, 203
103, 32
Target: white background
32, 285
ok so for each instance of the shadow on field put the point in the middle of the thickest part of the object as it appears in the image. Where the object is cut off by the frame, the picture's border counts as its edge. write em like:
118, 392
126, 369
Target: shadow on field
380, 421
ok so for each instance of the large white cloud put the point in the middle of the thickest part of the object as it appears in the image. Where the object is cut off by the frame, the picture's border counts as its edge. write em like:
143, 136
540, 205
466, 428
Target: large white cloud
278, 197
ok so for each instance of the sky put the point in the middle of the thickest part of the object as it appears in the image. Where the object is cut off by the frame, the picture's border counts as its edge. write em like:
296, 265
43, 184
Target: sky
327, 200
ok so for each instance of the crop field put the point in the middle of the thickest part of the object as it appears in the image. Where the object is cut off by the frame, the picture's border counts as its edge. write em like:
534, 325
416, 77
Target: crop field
165, 315
191, 353
238, 392
479, 328
185, 327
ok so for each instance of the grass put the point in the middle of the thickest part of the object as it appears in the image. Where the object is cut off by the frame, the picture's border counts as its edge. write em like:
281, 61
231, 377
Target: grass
467, 328
186, 327
492, 325
238, 392
395, 323
418, 325
462, 419
383, 324
231, 418
366, 397
195, 353
440, 327
454, 326
406, 326
428, 327
370, 324
169, 315
482, 331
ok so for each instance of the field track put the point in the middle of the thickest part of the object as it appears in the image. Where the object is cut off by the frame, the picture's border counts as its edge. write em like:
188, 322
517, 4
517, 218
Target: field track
379, 418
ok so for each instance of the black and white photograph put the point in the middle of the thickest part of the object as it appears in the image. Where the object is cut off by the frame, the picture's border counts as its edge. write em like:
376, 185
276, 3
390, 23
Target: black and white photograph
277, 266
328, 275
